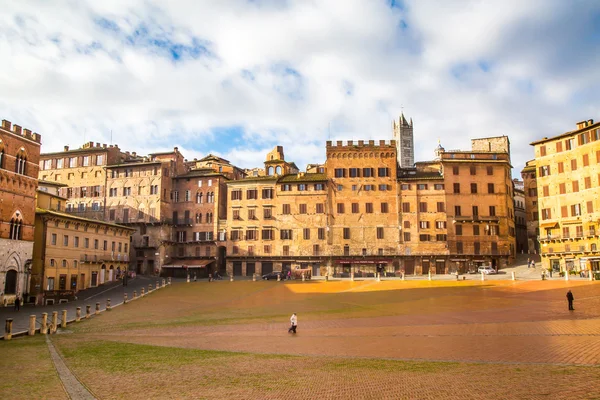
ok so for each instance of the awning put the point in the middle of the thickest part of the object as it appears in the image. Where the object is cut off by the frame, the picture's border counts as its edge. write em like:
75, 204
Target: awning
458, 259
190, 264
572, 222
549, 225
440, 260
364, 261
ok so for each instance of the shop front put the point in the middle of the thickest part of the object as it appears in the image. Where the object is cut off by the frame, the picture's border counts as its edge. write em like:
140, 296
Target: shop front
198, 269
364, 268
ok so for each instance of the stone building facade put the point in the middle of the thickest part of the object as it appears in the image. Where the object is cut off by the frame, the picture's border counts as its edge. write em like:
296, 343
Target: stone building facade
19, 164
568, 188
73, 253
531, 207
403, 135
522, 241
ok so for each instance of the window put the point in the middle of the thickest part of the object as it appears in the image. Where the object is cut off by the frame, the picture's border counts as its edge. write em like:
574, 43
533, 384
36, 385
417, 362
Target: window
492, 211
575, 186
544, 170
60, 163
286, 250
380, 233
576, 210
475, 211
346, 233
384, 208
579, 231
340, 172
459, 248
267, 213
354, 188
251, 234
76, 241
285, 234
251, 213
440, 224
490, 188
286, 187
441, 207
405, 186
457, 211
251, 194
422, 206
546, 191
570, 144
473, 170
475, 230
406, 207
455, 170
424, 224
236, 214
586, 160
320, 208
546, 213
458, 230
438, 186
588, 182
422, 186
235, 195
369, 208
53, 239
319, 186
573, 165
562, 188
306, 233
267, 249
302, 208
286, 209
590, 207
383, 188
473, 188
154, 189
354, 172
424, 238
457, 188
339, 188
235, 250
236, 234
355, 208
368, 172
340, 208
383, 172
406, 236
302, 187
267, 193
72, 162
406, 224
316, 250
321, 233
369, 188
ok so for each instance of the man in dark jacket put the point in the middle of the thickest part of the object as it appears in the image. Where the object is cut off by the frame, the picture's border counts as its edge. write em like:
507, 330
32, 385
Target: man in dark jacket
570, 299
17, 303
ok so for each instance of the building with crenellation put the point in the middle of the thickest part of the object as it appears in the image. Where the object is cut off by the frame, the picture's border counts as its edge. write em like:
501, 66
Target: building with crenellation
568, 189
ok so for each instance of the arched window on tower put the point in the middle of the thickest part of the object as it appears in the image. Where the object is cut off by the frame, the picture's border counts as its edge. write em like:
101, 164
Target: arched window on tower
16, 228
20, 164
278, 170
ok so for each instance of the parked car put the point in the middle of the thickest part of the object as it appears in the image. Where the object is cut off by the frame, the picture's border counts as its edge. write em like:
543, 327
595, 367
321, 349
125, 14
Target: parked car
486, 269
273, 275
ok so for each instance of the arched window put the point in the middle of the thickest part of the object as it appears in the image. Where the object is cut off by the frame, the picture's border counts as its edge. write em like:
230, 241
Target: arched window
2, 158
20, 164
270, 171
199, 198
198, 218
16, 227
278, 170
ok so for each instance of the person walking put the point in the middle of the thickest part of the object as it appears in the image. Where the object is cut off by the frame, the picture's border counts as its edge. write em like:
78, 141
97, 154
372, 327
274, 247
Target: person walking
294, 323
17, 303
570, 298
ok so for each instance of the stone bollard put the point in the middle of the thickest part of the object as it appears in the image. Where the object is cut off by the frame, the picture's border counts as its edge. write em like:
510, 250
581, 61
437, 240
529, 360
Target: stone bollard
124, 298
149, 288
303, 278
402, 275
169, 281
44, 328
188, 279
352, 276
429, 275
88, 311
8, 329
164, 282
108, 306
278, 277
253, 277
54, 325
457, 276
566, 275
31, 325
134, 294
513, 275
231, 278
63, 323
379, 277
157, 285
142, 292
590, 276
78, 314
97, 309
482, 276
326, 278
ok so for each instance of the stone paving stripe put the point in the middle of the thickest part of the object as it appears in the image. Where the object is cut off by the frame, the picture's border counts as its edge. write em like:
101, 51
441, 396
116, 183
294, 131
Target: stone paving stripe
73, 387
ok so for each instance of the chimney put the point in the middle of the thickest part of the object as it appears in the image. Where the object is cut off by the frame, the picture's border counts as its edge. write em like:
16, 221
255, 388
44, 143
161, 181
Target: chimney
134, 154
176, 149
97, 144
361, 142
103, 145
6, 124
340, 143
127, 152
382, 142
350, 142
17, 129
66, 148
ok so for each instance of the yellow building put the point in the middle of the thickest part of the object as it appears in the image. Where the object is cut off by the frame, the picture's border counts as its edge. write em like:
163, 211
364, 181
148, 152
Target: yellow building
72, 253
568, 189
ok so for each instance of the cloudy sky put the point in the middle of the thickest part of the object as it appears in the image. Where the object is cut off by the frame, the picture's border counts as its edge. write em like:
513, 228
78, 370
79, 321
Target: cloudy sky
237, 77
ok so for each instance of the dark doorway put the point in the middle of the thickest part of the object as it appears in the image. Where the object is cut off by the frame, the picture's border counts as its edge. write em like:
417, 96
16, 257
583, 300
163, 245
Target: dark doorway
425, 266
62, 282
250, 268
267, 267
409, 266
94, 278
221, 265
237, 268
316, 269
73, 282
10, 285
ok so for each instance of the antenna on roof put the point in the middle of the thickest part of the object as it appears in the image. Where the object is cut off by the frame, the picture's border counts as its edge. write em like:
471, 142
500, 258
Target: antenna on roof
111, 136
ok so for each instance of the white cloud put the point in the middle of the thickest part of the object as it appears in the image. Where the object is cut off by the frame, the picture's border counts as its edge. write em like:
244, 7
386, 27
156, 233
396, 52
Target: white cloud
287, 71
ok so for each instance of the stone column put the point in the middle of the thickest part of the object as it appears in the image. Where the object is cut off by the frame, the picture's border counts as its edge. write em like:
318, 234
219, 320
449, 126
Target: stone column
429, 275
513, 275
134, 294
54, 322
590, 275
303, 277
253, 277
64, 319
278, 278
31, 325
8, 329
108, 307
169, 281
97, 308
482, 276
87, 311
188, 278
44, 328
124, 298
78, 314
142, 292
231, 278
